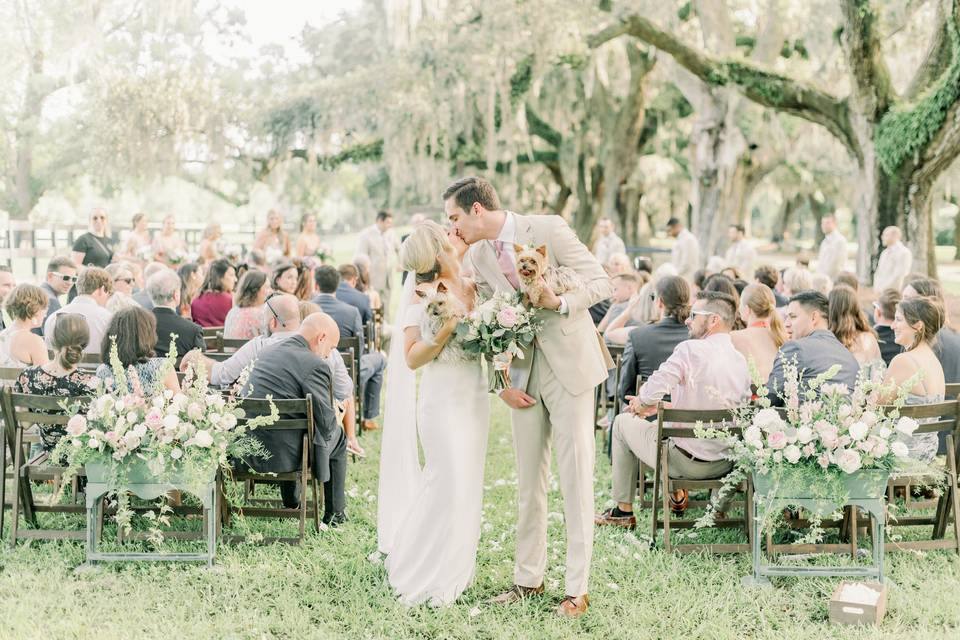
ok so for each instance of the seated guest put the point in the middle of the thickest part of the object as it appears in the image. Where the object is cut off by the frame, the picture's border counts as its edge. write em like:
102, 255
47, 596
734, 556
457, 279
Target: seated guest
293, 369
280, 320
362, 263
847, 279
134, 331
625, 286
849, 323
60, 376
650, 345
94, 288
26, 305
795, 280
142, 297
884, 309
191, 279
347, 292
767, 275
618, 263
916, 324
947, 345
764, 333
722, 284
641, 310
815, 348
122, 296
705, 372
61, 274
285, 278
165, 290
372, 364
210, 308
245, 318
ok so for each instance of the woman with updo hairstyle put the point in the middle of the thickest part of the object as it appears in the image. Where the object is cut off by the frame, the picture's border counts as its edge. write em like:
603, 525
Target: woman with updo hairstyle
915, 327
849, 323
764, 333
60, 376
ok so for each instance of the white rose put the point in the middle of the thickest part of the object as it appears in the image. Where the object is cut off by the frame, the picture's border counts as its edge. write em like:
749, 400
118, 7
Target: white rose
900, 450
202, 438
869, 418
766, 419
849, 460
792, 454
132, 417
131, 440
753, 435
229, 421
171, 421
176, 454
906, 426
859, 430
844, 411
158, 402
93, 443
804, 434
884, 432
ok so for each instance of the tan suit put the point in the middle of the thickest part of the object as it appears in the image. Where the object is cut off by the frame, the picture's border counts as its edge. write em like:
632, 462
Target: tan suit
567, 363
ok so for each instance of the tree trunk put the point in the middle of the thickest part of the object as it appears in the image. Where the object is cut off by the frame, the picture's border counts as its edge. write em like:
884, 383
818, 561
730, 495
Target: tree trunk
782, 224
918, 207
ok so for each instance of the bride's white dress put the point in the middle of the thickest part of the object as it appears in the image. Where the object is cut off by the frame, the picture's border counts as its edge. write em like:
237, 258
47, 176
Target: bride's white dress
434, 551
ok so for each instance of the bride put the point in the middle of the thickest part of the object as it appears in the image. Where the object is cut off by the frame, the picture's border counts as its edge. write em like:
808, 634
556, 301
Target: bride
428, 520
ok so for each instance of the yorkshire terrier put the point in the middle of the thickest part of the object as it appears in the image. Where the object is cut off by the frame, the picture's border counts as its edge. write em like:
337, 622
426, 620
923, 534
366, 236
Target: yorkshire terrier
532, 264
441, 305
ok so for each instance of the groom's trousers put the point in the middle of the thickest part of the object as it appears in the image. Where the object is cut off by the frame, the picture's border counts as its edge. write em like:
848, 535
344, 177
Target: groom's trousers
567, 421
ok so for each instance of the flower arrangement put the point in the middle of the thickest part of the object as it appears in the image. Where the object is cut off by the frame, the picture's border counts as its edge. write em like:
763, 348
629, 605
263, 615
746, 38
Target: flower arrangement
323, 254
499, 329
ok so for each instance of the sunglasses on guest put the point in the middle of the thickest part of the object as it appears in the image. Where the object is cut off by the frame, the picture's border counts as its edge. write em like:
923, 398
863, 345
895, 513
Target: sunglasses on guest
65, 277
127, 280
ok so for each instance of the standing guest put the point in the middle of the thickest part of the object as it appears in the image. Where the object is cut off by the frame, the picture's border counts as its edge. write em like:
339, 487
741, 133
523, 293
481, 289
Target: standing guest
164, 288
833, 249
272, 240
380, 245
740, 254
94, 288
60, 376
134, 332
618, 263
770, 277
309, 240
685, 254
210, 308
61, 274
764, 333
191, 279
362, 263
26, 306
704, 372
210, 243
848, 322
347, 292
608, 242
895, 261
245, 319
94, 248
884, 309
815, 348
142, 297
122, 287
947, 345
295, 368
7, 283
168, 245
139, 242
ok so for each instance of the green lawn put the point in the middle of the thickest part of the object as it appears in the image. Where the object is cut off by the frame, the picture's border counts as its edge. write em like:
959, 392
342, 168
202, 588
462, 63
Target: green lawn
328, 588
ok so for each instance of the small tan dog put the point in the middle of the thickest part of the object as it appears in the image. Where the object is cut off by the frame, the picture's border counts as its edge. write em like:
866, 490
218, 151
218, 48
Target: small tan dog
532, 264
440, 306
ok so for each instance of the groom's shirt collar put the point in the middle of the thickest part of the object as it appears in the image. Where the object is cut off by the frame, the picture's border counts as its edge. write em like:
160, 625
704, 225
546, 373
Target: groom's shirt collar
508, 233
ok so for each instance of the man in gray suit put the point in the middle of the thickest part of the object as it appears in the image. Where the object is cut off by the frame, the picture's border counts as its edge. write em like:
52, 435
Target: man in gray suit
292, 369
815, 348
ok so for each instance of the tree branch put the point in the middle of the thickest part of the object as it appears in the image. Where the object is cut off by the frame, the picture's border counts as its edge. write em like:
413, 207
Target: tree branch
206, 186
935, 61
870, 77
539, 127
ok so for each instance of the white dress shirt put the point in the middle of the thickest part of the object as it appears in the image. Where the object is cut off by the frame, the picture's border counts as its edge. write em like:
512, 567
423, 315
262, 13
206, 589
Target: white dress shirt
685, 254
607, 246
894, 265
833, 255
97, 317
741, 255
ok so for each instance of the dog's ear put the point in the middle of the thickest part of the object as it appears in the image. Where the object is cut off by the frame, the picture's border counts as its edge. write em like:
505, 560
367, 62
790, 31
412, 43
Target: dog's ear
542, 250
518, 248
441, 288
420, 293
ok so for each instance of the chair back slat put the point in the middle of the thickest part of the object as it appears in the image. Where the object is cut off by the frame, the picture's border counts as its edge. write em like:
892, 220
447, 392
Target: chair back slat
952, 390
668, 420
26, 409
349, 343
10, 374
933, 410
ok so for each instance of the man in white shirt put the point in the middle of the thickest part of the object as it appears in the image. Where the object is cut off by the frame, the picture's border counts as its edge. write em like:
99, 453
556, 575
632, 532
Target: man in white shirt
833, 249
94, 288
380, 245
685, 254
894, 264
608, 242
740, 254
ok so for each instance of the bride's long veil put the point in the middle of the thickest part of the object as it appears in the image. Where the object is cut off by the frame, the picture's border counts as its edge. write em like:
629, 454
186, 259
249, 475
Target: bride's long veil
399, 456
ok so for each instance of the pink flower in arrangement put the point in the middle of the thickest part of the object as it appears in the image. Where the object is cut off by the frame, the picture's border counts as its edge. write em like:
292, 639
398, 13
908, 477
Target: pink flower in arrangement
76, 425
809, 450
777, 440
849, 460
507, 317
823, 460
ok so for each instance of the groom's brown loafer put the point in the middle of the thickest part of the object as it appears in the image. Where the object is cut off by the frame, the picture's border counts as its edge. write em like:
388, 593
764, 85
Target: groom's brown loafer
516, 593
573, 606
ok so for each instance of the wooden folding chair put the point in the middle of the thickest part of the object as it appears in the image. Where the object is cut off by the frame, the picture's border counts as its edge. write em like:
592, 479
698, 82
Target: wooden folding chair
351, 345
667, 427
603, 402
378, 324
229, 345
212, 337
295, 415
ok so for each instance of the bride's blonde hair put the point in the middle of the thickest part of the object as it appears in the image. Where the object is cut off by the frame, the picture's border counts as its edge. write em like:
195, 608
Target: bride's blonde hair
420, 250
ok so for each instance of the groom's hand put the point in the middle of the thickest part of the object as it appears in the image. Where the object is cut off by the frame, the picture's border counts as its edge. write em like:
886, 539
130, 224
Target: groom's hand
548, 299
517, 399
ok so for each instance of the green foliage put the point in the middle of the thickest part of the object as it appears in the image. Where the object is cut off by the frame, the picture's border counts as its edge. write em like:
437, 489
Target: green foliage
685, 11
749, 78
521, 79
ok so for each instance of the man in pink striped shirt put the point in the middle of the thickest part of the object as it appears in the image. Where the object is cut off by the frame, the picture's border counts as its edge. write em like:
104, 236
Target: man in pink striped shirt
705, 372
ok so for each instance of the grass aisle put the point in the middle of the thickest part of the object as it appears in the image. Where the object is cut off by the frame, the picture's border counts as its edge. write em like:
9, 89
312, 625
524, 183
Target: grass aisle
328, 588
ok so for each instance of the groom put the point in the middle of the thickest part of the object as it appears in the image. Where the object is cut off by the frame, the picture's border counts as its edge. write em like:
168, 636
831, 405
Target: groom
553, 387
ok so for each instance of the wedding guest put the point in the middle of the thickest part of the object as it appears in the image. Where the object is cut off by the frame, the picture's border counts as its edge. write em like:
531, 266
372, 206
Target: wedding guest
821, 282
608, 242
293, 369
210, 243
795, 280
134, 332
95, 247
699, 278
305, 283
210, 308
625, 286
618, 263
122, 296
362, 263
285, 278
347, 292
815, 348
7, 283
94, 288
142, 297
833, 249
947, 345
61, 274
895, 261
731, 272
309, 240
272, 240
379, 244
847, 279
705, 372
245, 318
168, 245
639, 312
191, 280
139, 243
257, 260
740, 254
164, 288
848, 322
685, 254
26, 306
60, 376
884, 309
763, 334
770, 277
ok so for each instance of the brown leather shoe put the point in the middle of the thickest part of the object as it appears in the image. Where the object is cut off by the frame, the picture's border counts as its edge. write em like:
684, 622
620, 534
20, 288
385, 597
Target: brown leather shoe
573, 606
679, 500
607, 519
370, 425
516, 593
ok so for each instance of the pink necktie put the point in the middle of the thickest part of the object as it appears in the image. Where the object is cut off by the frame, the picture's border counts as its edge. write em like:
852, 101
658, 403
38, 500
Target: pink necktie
505, 260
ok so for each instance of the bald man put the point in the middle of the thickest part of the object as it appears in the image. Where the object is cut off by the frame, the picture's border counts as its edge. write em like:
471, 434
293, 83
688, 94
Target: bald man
894, 264
294, 368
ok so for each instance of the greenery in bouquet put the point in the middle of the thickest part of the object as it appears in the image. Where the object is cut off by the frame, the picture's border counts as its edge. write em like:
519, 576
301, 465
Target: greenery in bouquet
189, 433
323, 254
500, 328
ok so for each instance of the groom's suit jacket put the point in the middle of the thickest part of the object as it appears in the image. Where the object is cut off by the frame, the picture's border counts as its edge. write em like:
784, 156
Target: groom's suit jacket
574, 350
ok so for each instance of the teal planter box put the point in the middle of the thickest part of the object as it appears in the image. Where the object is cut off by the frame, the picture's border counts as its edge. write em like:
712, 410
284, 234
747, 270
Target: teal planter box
791, 486
138, 473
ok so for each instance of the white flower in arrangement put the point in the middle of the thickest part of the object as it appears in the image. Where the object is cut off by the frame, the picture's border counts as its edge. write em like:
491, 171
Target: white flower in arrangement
132, 417
804, 434
849, 460
171, 421
767, 419
845, 411
880, 448
158, 402
131, 440
753, 436
76, 425
140, 429
93, 443
777, 457
869, 418
900, 449
859, 430
176, 453
906, 426
194, 411
835, 389
792, 454
867, 445
229, 421
167, 394
201, 438
884, 432
777, 440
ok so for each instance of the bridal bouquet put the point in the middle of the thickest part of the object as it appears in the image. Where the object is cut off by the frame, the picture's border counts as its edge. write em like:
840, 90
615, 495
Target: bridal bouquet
499, 329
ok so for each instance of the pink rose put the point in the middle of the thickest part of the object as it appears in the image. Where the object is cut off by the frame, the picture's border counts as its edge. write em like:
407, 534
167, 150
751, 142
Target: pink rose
849, 460
809, 450
777, 440
823, 460
76, 425
507, 317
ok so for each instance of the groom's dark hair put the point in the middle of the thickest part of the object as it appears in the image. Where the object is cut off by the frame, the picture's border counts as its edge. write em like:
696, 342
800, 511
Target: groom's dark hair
466, 191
